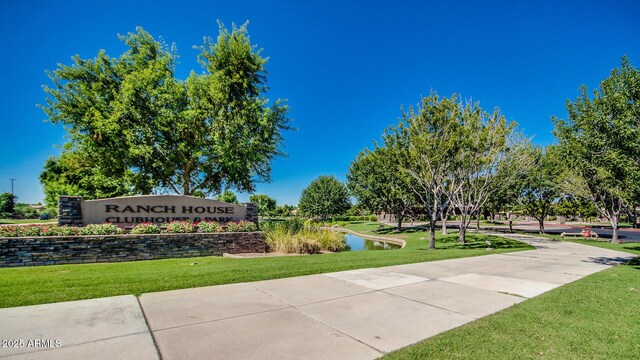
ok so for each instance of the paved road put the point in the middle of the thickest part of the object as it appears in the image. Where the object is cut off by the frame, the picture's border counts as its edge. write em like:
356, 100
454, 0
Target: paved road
360, 314
626, 235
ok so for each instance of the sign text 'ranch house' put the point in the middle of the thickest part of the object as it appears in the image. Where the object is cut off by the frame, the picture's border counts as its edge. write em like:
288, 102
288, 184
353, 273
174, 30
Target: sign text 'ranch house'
159, 209
208, 213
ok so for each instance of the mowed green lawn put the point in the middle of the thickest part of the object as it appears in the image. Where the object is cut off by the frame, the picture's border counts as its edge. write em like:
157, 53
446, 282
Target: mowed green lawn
597, 317
46, 284
26, 221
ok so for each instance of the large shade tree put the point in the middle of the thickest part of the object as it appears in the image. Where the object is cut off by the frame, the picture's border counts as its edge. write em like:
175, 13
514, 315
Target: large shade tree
458, 154
266, 204
539, 190
490, 154
379, 185
600, 142
326, 196
215, 130
424, 144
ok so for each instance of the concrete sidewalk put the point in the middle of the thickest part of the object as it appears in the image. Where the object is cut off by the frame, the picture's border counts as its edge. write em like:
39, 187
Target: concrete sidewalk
359, 314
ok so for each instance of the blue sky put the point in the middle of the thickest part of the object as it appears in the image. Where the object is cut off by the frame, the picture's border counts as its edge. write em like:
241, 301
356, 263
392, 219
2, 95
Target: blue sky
346, 67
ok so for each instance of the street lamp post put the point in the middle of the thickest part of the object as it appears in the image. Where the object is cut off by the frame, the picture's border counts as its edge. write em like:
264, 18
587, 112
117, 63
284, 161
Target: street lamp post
12, 180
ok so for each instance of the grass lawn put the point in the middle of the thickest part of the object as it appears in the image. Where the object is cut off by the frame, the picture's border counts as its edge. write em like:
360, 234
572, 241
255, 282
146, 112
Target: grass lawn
46, 284
26, 221
597, 317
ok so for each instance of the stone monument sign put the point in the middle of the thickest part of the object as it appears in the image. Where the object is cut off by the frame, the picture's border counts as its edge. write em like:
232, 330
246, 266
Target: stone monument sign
159, 209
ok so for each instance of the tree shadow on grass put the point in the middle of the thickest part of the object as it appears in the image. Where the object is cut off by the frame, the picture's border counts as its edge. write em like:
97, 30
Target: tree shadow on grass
635, 263
451, 242
383, 229
612, 260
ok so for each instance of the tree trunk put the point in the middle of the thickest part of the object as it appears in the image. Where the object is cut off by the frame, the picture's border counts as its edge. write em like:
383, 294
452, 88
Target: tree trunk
463, 229
541, 224
432, 233
614, 226
443, 217
633, 216
399, 223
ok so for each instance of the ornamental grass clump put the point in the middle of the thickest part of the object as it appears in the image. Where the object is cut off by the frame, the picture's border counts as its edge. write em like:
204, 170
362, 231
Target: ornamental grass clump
328, 240
180, 227
146, 228
281, 238
209, 227
241, 226
101, 229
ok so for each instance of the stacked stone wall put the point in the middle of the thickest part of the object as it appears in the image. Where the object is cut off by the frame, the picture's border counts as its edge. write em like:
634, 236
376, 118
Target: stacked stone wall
52, 250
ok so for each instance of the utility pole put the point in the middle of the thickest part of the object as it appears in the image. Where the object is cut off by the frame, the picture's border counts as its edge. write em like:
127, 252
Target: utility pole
12, 180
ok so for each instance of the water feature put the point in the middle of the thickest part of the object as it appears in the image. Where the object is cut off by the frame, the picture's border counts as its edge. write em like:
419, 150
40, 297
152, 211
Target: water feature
358, 243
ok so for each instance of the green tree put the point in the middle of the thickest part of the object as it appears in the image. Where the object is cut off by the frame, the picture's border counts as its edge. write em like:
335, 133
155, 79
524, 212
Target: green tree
458, 154
424, 143
229, 197
283, 210
324, 197
24, 211
76, 173
569, 206
266, 204
601, 143
7, 203
215, 130
378, 184
490, 154
540, 190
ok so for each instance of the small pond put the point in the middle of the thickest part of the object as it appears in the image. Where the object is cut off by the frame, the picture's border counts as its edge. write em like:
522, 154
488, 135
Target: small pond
358, 243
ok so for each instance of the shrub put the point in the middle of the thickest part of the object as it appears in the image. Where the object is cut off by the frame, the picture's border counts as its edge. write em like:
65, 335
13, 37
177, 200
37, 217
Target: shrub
281, 238
241, 226
101, 229
51, 230
55, 230
180, 227
11, 231
294, 225
146, 228
65, 230
326, 239
209, 227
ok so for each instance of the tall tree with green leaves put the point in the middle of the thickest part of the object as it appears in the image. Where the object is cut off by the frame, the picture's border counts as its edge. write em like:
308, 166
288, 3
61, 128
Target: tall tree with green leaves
326, 196
78, 173
600, 141
266, 204
215, 130
7, 203
424, 144
458, 154
377, 182
228, 196
489, 156
539, 190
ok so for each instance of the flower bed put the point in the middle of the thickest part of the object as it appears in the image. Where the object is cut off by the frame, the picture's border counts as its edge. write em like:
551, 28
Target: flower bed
176, 227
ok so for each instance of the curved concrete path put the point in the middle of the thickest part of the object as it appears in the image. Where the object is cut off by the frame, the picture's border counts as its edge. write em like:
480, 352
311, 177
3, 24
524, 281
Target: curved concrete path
359, 314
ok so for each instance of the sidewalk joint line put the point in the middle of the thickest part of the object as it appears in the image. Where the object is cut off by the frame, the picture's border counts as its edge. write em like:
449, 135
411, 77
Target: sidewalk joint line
146, 321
